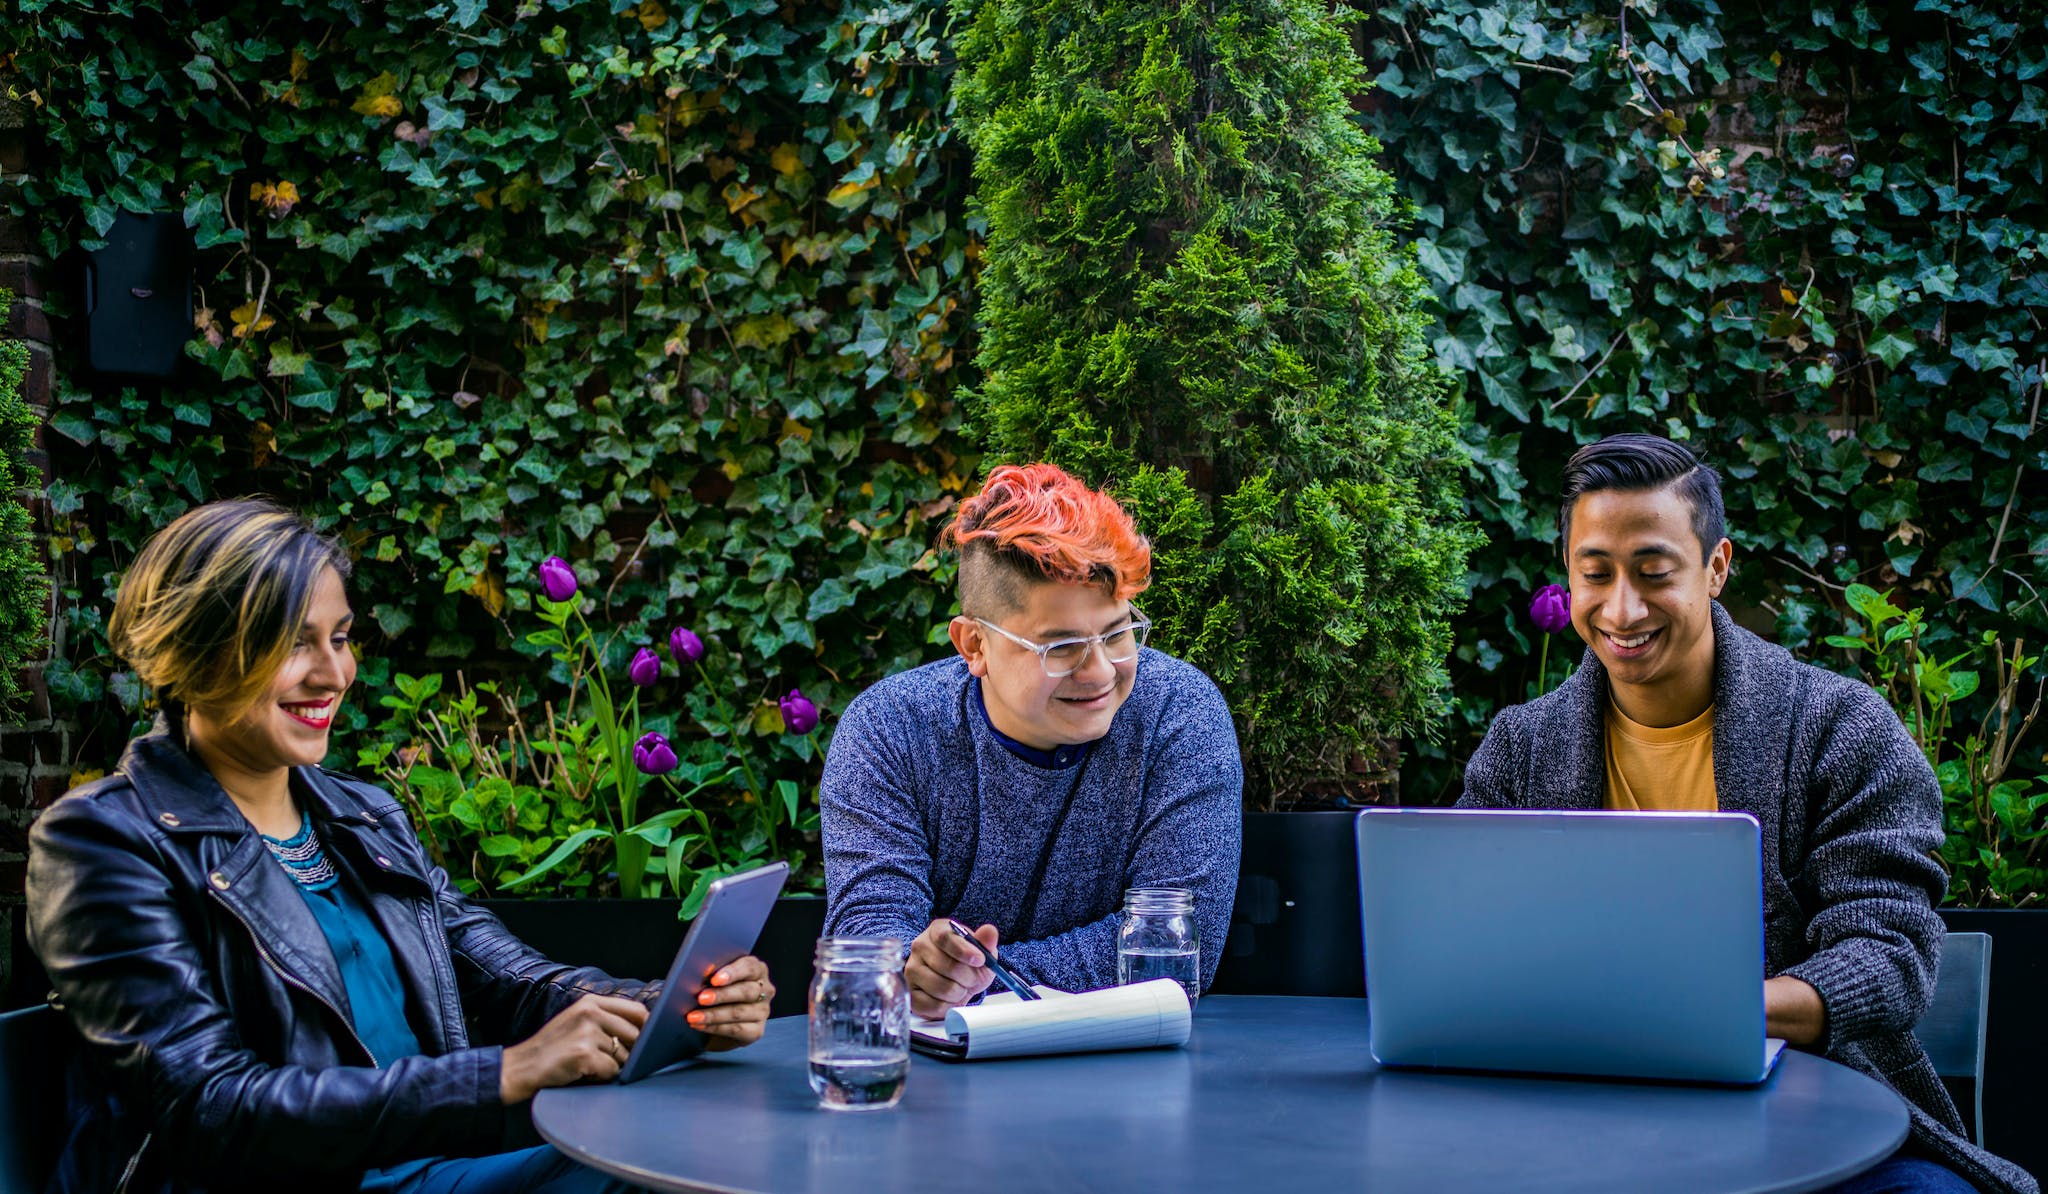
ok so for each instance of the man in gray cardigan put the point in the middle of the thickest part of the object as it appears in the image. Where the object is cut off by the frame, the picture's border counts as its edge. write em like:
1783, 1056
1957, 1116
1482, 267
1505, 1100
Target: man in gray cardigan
1675, 706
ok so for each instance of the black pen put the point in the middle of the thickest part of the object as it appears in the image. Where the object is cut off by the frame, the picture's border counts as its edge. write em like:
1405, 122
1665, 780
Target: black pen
1004, 974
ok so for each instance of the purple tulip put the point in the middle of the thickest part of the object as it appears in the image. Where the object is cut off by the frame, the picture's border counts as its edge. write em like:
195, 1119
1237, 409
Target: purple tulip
798, 714
645, 668
683, 644
1551, 609
557, 579
653, 755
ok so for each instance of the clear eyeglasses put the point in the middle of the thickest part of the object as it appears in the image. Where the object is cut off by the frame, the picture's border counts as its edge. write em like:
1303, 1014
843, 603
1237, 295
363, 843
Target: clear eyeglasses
1066, 656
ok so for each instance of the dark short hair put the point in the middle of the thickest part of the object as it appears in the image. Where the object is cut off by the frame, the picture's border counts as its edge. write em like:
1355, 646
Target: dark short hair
1633, 463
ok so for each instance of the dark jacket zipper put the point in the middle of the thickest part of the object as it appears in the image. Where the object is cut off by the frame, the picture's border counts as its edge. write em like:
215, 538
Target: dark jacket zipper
135, 1161
263, 952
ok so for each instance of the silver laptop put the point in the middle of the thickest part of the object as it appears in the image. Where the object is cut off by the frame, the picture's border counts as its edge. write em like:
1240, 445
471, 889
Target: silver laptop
1618, 944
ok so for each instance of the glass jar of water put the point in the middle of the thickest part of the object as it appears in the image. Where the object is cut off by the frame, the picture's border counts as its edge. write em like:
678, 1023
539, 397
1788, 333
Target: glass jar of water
860, 1023
1158, 939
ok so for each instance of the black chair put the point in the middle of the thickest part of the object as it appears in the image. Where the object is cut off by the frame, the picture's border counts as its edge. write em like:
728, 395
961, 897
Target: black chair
1295, 929
35, 1047
1952, 1031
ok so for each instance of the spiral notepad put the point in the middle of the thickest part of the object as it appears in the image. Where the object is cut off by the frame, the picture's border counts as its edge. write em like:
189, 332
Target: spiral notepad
1141, 1016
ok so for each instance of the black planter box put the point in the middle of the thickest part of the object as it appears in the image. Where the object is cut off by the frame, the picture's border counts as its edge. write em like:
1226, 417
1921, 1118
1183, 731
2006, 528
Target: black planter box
639, 938
1295, 929
2016, 1038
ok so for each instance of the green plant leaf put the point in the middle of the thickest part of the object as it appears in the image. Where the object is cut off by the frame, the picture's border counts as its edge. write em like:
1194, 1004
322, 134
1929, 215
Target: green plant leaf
555, 857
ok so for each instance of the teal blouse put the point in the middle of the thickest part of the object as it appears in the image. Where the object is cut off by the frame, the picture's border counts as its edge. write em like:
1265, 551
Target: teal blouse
376, 997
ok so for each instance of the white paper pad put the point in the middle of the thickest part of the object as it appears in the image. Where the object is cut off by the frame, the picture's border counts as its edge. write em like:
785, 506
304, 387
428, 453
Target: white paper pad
1141, 1016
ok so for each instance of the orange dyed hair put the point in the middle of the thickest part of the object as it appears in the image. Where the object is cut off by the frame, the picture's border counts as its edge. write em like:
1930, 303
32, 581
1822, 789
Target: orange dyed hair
1038, 522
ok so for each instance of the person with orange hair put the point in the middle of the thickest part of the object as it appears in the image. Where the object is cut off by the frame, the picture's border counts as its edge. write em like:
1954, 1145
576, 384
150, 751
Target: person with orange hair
1025, 784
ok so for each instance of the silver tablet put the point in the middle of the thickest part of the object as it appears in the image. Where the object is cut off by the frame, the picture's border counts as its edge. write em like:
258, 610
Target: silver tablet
725, 931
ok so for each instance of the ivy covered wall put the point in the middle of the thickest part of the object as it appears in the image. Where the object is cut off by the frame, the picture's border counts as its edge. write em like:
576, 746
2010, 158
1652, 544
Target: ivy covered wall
1805, 237
671, 290
678, 291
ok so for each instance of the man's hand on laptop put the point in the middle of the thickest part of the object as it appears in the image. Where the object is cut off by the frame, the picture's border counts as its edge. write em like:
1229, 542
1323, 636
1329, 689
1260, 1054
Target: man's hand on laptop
1794, 1011
944, 971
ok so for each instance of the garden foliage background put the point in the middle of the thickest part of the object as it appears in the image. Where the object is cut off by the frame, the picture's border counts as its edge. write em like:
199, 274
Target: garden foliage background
674, 294
682, 293
1805, 237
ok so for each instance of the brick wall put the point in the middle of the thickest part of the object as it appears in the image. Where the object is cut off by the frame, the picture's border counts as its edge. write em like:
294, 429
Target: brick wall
35, 754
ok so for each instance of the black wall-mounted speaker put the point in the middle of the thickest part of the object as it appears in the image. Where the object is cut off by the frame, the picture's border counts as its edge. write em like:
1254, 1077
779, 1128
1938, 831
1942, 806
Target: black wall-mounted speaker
138, 296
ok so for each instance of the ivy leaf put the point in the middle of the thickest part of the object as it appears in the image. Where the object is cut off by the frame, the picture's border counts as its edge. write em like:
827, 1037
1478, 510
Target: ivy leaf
874, 336
829, 597
1891, 348
849, 195
284, 362
75, 426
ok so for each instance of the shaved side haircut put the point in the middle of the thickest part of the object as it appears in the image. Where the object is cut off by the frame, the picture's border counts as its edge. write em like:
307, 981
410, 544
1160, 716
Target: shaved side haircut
1035, 523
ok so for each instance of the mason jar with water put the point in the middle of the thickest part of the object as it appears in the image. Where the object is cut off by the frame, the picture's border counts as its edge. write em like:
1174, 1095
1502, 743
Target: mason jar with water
1158, 939
860, 1023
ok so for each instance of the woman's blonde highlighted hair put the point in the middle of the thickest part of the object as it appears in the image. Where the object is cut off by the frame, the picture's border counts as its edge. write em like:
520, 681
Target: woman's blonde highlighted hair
214, 603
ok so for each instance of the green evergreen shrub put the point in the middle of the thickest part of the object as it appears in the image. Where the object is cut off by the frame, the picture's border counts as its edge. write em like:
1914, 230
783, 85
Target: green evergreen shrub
1191, 292
24, 583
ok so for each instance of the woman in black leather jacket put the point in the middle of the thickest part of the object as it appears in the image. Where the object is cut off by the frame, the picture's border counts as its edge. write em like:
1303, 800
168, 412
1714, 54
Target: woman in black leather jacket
274, 986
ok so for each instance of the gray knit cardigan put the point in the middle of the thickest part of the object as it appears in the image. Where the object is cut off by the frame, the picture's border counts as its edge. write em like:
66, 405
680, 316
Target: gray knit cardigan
1851, 817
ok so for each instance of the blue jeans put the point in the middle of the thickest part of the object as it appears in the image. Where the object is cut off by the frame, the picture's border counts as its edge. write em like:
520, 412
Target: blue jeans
1901, 1174
539, 1170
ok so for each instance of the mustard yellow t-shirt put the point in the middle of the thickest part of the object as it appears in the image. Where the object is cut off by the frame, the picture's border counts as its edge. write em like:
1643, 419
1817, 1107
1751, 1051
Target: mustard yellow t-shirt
1660, 770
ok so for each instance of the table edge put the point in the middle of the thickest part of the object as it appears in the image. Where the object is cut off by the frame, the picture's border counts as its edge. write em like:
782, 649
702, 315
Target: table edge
673, 1185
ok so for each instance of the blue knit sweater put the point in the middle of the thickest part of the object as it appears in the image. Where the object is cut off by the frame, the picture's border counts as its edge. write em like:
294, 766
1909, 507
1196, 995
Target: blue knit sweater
927, 814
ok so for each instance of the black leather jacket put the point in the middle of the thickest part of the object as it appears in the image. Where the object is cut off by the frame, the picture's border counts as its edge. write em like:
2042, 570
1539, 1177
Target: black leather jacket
217, 1049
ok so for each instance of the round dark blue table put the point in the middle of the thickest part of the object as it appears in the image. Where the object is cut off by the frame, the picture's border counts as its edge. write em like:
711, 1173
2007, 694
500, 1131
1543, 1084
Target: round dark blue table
1271, 1093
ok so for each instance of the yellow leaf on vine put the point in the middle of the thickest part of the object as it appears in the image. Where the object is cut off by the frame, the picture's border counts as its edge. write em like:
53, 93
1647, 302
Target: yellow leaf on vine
652, 15
1785, 292
786, 159
381, 106
737, 196
731, 469
242, 316
488, 589
262, 444
696, 106
763, 331
790, 427
379, 97
277, 198
849, 194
